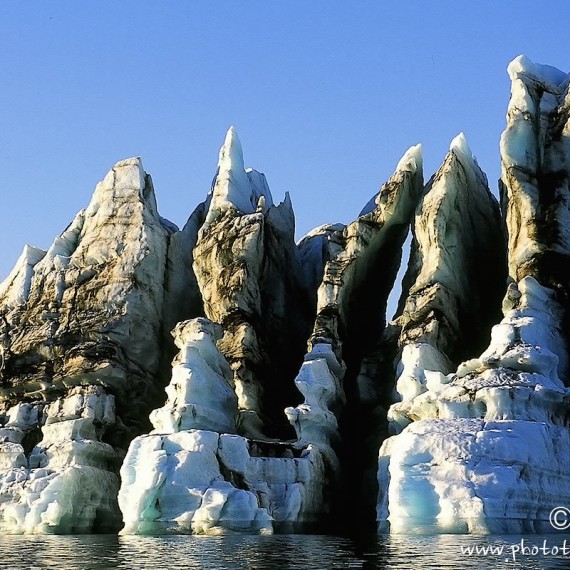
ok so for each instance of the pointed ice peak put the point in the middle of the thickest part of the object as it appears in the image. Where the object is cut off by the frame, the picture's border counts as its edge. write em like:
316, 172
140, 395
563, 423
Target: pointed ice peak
231, 153
412, 162
412, 159
234, 186
130, 172
64, 245
15, 289
551, 78
127, 180
133, 161
282, 217
460, 148
261, 206
259, 186
125, 175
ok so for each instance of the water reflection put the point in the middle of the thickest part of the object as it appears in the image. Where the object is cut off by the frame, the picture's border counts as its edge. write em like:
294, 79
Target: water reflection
283, 551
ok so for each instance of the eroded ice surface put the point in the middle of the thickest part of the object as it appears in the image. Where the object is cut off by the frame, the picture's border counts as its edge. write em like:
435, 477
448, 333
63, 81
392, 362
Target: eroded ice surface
193, 474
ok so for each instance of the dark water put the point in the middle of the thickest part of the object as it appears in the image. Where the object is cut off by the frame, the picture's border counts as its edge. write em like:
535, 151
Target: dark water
283, 551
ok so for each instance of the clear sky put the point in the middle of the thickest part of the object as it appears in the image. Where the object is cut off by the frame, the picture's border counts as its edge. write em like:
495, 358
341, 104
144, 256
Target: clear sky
325, 95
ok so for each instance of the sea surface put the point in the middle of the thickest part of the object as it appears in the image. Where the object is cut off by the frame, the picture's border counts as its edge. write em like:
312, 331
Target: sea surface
285, 551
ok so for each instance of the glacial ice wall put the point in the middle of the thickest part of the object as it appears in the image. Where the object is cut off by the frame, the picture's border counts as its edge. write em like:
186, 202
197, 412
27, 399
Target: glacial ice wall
255, 483
291, 405
485, 445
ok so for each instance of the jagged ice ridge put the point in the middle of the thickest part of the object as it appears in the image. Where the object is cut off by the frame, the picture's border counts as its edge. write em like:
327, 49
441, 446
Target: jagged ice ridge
224, 378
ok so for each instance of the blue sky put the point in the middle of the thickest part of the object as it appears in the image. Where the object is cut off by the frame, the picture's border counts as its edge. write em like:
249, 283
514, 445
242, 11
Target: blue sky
326, 96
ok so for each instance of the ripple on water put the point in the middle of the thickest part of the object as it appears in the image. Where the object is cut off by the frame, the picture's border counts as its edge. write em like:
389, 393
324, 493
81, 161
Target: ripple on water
293, 552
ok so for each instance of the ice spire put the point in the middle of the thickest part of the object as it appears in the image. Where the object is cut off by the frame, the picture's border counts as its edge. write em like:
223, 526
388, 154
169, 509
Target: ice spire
460, 148
234, 186
231, 176
412, 159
